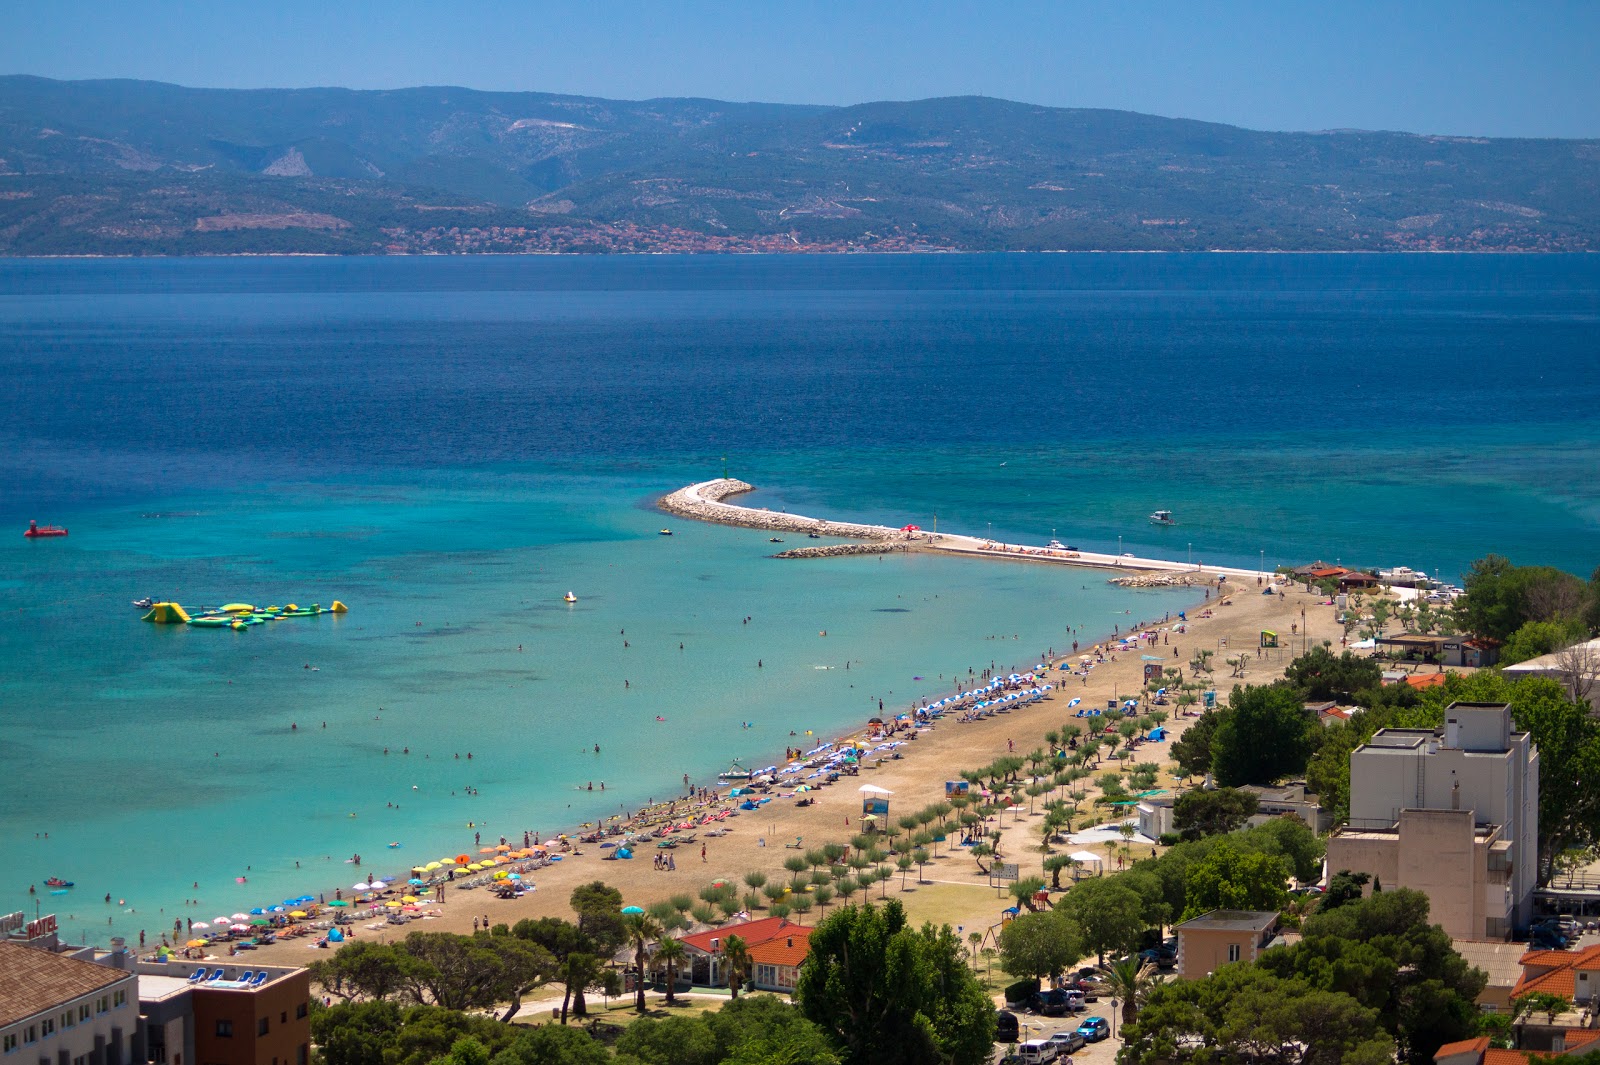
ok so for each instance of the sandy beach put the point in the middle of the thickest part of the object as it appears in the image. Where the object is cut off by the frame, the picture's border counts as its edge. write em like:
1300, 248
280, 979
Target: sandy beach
953, 888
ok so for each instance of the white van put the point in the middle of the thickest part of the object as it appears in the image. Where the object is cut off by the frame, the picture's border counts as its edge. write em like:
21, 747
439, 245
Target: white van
1037, 1052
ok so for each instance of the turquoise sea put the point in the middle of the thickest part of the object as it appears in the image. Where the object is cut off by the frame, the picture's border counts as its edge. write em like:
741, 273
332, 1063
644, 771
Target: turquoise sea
449, 445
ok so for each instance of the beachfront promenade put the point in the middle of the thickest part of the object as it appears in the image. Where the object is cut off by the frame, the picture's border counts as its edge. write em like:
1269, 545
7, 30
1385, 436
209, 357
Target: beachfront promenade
707, 501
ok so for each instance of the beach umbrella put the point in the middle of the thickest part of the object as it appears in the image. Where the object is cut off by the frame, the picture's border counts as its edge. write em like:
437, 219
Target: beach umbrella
241, 917
416, 881
513, 876
259, 921
241, 928
503, 847
391, 904
408, 898
385, 879
198, 943
297, 913
485, 850
258, 911
336, 902
363, 886
430, 867
199, 924
632, 909
221, 920
463, 859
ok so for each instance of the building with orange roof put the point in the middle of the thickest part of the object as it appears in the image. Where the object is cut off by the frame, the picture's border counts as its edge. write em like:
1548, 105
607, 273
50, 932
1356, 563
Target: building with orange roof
708, 964
1479, 1052
775, 964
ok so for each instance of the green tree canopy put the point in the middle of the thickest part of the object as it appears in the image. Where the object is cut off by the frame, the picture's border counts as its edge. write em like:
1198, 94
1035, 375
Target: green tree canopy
1501, 597
1192, 750
1536, 638
1243, 1013
1110, 913
1211, 813
1040, 944
889, 995
1320, 674
1383, 951
1265, 734
1232, 879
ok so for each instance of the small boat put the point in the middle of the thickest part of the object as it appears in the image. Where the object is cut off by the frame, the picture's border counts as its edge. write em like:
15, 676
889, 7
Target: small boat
570, 598
1057, 545
56, 881
735, 772
144, 604
813, 536
774, 539
665, 532
36, 531
1162, 517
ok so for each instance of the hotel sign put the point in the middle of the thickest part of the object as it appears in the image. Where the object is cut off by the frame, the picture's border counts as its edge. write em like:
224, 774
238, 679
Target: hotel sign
42, 927
12, 922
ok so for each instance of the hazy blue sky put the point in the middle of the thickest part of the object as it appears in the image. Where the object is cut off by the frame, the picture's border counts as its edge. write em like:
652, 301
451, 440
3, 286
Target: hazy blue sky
1528, 68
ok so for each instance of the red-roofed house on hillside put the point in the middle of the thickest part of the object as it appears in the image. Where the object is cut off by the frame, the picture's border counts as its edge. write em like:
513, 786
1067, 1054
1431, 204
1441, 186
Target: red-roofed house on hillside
708, 967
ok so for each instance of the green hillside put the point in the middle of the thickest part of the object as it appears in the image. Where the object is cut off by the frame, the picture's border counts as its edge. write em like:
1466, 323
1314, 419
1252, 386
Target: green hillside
128, 167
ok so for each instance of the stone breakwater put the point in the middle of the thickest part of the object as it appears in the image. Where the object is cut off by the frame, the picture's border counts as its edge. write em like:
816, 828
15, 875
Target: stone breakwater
1163, 580
838, 550
704, 502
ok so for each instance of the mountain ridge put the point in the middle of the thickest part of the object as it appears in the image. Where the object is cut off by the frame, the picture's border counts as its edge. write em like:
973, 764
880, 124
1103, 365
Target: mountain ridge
121, 166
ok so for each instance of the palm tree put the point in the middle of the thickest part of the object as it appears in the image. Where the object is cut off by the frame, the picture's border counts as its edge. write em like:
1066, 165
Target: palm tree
671, 951
641, 929
1129, 980
737, 957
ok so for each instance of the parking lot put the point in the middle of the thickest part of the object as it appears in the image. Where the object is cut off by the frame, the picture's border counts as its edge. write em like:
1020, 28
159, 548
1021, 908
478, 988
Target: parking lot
1033, 1026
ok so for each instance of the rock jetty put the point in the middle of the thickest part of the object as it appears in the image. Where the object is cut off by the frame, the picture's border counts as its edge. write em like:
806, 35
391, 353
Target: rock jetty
839, 550
1163, 580
704, 502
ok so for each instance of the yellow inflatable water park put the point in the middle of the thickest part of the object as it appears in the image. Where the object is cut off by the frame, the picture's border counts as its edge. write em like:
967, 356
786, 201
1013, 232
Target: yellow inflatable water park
235, 616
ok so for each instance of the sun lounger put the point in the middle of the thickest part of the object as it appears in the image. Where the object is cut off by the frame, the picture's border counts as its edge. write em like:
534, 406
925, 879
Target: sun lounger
261, 978
198, 975
249, 974
215, 976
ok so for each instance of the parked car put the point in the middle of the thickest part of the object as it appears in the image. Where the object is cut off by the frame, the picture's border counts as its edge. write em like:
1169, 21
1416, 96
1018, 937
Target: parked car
1094, 1029
1051, 1003
1037, 1052
1162, 957
1087, 988
1005, 1027
1067, 1042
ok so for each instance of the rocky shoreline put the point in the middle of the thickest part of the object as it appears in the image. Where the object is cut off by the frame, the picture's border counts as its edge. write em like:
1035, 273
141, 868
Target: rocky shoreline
703, 502
1164, 580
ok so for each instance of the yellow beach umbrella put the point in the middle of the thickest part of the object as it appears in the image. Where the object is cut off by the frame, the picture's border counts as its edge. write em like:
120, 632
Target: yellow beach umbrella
198, 943
392, 904
431, 866
408, 898
297, 913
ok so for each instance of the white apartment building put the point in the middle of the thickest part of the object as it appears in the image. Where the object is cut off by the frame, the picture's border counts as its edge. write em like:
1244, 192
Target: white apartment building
57, 1010
1451, 812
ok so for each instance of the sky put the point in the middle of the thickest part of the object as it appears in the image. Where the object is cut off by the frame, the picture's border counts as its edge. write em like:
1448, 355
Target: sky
1464, 67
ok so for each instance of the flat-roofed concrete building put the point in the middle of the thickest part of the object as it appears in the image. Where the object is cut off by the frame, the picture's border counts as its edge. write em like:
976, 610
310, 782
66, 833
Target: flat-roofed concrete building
1215, 939
1452, 812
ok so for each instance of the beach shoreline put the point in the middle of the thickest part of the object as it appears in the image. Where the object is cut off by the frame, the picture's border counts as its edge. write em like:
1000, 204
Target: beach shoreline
762, 836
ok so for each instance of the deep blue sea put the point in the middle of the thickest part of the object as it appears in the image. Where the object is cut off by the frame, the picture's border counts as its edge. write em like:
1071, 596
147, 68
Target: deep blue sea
449, 445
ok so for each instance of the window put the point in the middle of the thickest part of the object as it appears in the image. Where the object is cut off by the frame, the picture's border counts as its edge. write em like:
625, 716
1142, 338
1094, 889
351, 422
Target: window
302, 1055
49, 1027
224, 1029
80, 1059
261, 1026
283, 1018
66, 1020
1233, 952
103, 1004
31, 1035
8, 1043
83, 1012
300, 1011
119, 1000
